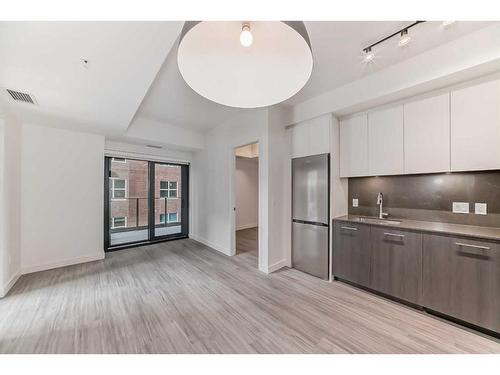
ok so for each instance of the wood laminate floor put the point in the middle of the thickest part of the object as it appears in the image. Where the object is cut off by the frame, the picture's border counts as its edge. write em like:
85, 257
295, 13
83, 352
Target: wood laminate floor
182, 297
247, 240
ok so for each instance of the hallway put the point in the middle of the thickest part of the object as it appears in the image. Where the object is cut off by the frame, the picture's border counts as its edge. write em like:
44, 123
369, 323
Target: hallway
247, 245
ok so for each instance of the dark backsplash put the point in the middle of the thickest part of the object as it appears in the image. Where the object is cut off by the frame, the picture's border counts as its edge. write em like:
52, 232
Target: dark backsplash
429, 196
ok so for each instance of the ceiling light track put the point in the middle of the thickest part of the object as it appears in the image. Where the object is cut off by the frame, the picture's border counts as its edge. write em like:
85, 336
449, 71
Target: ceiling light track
403, 31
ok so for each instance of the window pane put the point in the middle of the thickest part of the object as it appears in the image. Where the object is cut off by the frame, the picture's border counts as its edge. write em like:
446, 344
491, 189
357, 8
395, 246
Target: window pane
173, 185
129, 178
119, 194
162, 218
164, 193
119, 184
173, 193
172, 217
163, 185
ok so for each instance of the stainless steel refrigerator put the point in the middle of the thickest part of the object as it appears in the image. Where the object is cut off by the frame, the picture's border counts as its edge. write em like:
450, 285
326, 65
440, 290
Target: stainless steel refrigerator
310, 214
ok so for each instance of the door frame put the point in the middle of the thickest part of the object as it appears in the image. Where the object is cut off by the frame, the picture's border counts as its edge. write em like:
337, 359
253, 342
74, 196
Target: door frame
184, 202
185, 207
232, 200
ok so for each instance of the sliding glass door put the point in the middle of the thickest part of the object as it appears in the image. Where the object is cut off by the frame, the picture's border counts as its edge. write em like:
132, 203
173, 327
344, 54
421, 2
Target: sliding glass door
145, 201
170, 191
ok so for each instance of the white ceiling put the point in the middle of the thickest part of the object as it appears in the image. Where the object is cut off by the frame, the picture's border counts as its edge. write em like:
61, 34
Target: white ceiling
133, 69
44, 59
172, 101
338, 59
338, 49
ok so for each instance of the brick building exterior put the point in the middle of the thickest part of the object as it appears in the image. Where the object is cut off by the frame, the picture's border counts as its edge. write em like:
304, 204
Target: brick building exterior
128, 189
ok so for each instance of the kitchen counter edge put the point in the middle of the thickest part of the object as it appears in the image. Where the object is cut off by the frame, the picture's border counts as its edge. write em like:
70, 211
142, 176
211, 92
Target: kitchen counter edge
486, 233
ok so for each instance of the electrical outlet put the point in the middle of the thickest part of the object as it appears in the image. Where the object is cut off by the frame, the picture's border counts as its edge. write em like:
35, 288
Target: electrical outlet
461, 207
480, 208
355, 202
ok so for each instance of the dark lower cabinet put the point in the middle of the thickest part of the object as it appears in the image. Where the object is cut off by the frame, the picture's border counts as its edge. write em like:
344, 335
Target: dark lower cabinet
461, 278
351, 252
397, 263
455, 276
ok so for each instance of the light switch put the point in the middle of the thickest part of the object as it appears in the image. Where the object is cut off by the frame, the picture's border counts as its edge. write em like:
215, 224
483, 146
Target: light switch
461, 207
480, 208
355, 202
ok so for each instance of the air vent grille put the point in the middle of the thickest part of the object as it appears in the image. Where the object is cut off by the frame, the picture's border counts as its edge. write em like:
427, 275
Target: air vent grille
21, 96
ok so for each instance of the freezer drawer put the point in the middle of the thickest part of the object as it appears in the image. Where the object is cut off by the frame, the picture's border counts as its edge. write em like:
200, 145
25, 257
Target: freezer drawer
310, 189
310, 249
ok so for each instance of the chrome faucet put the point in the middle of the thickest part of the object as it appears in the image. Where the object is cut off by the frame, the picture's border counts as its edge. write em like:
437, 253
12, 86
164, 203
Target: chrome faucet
380, 202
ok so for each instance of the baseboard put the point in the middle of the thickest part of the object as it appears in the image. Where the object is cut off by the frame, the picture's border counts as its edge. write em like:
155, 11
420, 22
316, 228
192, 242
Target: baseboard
276, 266
205, 242
247, 226
61, 263
5, 288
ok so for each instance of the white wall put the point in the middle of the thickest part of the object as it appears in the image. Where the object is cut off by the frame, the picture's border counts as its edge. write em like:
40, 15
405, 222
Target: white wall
213, 181
10, 202
155, 132
62, 197
140, 151
280, 191
247, 193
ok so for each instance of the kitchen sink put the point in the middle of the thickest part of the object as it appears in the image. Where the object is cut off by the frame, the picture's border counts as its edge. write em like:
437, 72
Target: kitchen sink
376, 220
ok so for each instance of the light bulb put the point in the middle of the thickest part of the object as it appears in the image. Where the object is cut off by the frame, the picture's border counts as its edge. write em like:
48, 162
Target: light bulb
405, 38
246, 37
369, 55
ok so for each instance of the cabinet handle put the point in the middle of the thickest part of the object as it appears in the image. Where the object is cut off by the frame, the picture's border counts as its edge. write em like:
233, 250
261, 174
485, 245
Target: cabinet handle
394, 235
473, 246
349, 228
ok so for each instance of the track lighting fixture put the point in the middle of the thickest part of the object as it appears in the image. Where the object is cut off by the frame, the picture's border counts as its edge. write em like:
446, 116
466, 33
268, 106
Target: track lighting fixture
404, 39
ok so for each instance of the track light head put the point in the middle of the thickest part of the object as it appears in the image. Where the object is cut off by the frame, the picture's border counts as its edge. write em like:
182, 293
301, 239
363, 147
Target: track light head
405, 38
369, 55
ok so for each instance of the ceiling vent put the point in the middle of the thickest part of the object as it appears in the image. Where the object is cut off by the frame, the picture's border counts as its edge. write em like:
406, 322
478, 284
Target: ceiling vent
21, 96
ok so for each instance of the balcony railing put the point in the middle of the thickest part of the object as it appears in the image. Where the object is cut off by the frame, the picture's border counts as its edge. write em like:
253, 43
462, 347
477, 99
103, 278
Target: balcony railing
142, 218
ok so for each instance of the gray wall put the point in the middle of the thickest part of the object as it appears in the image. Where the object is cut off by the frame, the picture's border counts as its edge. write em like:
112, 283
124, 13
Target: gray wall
429, 196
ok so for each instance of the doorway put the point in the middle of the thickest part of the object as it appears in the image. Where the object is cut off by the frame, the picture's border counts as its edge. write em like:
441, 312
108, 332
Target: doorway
246, 195
145, 201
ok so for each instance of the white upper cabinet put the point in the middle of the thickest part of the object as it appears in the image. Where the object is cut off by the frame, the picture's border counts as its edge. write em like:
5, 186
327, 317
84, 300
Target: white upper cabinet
427, 135
385, 142
354, 146
300, 142
311, 137
475, 127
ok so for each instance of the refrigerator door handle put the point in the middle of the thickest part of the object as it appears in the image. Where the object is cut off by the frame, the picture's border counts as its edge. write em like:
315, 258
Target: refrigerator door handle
317, 223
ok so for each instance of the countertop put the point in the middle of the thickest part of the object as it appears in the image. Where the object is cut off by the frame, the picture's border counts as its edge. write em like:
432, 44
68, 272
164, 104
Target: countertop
488, 233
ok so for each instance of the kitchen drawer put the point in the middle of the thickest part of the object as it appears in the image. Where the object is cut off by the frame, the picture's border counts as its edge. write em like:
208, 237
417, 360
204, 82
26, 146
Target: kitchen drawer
351, 252
461, 278
397, 263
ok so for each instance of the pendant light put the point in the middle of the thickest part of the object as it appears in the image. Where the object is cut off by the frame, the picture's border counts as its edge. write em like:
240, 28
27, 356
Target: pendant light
245, 64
